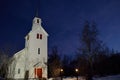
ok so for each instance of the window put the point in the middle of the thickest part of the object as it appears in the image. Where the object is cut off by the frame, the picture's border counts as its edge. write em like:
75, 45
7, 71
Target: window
37, 20
40, 36
28, 37
37, 36
38, 50
19, 71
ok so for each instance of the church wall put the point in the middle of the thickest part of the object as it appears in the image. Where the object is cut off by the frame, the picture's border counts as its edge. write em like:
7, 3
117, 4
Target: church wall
35, 44
20, 65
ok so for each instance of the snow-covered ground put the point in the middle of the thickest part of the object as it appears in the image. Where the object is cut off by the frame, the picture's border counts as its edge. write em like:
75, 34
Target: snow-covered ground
115, 77
68, 78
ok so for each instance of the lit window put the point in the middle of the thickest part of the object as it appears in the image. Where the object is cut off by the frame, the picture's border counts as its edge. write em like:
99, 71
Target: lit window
19, 71
37, 36
40, 36
38, 50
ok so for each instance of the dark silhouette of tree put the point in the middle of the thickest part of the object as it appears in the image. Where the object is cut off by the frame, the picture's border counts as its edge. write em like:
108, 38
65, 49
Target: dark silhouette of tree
54, 63
67, 67
4, 61
89, 48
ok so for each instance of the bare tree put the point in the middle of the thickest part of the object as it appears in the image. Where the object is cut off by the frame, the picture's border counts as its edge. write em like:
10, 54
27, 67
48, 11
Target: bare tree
54, 63
90, 46
4, 59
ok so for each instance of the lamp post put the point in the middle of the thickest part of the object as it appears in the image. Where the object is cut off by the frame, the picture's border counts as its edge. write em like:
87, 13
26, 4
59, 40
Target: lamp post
61, 71
76, 70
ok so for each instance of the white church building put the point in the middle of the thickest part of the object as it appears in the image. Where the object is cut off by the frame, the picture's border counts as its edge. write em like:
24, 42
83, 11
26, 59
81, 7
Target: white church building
31, 62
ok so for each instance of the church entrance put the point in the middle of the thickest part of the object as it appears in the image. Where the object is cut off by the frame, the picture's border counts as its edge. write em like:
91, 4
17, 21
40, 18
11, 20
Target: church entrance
38, 72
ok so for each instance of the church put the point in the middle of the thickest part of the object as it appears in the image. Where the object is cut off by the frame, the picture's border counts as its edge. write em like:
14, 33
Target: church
31, 62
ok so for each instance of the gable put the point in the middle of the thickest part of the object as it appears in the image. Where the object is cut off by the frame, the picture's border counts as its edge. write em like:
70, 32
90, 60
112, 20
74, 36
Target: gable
19, 54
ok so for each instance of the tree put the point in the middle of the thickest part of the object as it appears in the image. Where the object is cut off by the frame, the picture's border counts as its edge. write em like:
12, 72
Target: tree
54, 63
4, 61
66, 66
90, 46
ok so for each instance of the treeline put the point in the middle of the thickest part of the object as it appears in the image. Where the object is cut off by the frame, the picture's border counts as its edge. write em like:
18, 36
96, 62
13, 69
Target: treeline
107, 65
92, 58
103, 65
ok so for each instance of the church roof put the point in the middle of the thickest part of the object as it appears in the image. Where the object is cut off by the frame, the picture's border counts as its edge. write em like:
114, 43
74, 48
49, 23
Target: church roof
19, 53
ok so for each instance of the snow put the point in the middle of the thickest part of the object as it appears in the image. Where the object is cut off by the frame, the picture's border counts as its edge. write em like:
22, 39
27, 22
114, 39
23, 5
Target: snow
114, 77
68, 78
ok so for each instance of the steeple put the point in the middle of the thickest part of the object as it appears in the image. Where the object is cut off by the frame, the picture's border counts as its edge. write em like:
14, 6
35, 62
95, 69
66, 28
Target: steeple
36, 24
36, 21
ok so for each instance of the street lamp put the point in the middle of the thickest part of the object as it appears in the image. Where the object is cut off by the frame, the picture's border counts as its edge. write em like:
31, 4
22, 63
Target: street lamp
76, 70
61, 71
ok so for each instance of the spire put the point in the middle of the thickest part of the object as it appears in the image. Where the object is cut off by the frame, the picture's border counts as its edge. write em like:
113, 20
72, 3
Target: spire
37, 9
36, 12
36, 21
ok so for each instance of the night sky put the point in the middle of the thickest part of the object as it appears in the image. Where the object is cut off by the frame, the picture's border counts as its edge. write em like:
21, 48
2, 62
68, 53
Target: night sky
62, 19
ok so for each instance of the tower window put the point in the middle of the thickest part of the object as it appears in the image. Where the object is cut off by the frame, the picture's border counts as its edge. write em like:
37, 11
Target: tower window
37, 36
38, 50
37, 20
40, 36
19, 71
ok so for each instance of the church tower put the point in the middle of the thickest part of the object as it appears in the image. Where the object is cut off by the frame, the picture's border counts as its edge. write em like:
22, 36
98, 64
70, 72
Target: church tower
36, 49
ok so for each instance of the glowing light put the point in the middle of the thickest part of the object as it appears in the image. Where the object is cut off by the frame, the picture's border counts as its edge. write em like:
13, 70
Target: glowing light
76, 70
61, 70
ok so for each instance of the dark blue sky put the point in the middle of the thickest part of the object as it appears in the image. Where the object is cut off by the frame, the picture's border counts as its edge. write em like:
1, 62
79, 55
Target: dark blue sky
62, 19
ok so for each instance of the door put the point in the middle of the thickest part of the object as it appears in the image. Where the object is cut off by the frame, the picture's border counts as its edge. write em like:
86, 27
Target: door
38, 72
